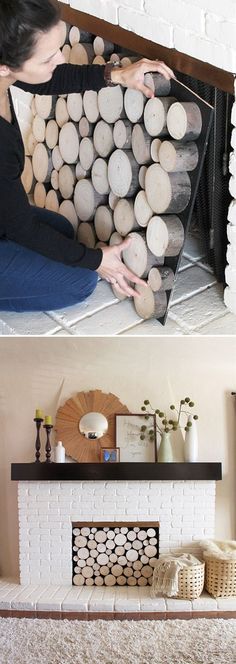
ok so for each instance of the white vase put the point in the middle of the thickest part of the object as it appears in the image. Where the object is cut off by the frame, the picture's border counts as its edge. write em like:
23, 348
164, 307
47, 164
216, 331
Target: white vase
191, 442
59, 453
165, 454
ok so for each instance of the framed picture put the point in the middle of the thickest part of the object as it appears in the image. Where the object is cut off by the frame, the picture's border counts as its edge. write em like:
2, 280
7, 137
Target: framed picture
135, 444
110, 454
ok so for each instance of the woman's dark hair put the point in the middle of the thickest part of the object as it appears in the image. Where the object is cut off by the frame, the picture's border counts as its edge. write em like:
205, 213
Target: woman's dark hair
21, 21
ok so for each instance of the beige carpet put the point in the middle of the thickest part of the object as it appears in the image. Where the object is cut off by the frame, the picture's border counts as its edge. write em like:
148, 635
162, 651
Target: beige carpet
25, 641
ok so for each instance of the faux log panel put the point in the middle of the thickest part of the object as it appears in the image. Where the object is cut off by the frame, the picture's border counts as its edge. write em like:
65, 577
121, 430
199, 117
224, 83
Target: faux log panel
117, 156
114, 554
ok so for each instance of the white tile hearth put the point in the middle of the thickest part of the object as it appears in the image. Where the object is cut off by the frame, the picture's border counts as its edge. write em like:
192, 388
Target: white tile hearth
14, 597
197, 307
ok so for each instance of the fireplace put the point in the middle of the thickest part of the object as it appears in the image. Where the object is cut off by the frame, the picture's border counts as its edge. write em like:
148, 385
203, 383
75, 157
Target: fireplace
49, 510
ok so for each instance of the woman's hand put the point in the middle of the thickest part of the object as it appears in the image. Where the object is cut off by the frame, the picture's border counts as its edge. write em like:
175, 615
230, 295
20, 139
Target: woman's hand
132, 76
115, 272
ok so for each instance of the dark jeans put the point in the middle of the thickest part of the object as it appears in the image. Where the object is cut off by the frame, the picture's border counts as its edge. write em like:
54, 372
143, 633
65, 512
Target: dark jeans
32, 282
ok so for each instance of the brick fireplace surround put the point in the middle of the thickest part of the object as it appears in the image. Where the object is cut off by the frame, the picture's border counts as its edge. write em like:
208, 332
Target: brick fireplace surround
185, 510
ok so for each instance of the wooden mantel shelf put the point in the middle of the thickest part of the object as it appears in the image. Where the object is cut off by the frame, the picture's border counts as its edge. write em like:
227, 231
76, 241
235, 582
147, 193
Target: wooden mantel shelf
64, 472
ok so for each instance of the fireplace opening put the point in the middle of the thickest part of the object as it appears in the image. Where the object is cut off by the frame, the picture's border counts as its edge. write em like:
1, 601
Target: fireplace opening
209, 218
111, 554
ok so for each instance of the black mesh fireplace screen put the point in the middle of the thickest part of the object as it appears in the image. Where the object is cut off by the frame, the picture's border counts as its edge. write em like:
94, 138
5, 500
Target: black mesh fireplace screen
213, 198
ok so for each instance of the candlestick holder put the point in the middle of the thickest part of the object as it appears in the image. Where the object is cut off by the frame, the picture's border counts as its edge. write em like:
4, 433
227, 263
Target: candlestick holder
38, 421
48, 448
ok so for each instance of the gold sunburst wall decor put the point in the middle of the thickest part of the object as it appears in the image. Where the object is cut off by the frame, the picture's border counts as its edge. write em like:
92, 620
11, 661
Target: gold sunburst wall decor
68, 418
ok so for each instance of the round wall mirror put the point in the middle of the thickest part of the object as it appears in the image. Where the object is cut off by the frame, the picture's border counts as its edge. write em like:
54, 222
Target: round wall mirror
93, 425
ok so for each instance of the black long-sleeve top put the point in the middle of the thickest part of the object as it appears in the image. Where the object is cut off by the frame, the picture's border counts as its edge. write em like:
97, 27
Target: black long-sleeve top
18, 220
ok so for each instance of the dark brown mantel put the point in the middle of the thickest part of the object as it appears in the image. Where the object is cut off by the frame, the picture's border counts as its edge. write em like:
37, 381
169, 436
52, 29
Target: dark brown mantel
181, 62
63, 472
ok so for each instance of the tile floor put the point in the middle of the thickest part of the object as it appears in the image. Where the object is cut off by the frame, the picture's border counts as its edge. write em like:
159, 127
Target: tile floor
65, 599
196, 307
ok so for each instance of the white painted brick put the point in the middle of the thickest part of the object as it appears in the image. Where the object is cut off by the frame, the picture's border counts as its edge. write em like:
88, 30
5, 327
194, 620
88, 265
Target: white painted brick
176, 13
204, 49
146, 26
104, 9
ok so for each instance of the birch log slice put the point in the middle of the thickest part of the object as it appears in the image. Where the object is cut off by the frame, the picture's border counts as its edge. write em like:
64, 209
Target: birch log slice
39, 128
40, 193
99, 60
66, 52
135, 256
123, 172
81, 54
61, 112
86, 200
67, 209
31, 143
134, 105
27, 177
161, 277
177, 156
90, 102
69, 143
77, 35
142, 210
51, 135
150, 304
66, 181
115, 239
55, 179
103, 223
103, 138
165, 235
45, 106
155, 148
99, 176
157, 83
86, 234
57, 158
42, 163
102, 46
141, 176
75, 106
111, 104
80, 172
112, 200
141, 144
122, 134
86, 128
167, 192
87, 153
52, 201
184, 121
155, 115
124, 217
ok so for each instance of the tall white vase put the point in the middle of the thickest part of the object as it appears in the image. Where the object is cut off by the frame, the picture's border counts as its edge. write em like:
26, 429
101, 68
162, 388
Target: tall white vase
191, 442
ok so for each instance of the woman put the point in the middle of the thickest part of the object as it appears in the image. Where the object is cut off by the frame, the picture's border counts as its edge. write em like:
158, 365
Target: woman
42, 267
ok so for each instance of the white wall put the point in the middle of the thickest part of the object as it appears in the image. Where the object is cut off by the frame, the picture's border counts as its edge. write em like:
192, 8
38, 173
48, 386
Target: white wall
162, 369
203, 29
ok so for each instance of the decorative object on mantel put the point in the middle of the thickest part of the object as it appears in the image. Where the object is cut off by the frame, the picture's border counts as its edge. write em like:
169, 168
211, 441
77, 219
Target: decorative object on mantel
191, 442
93, 425
60, 453
220, 559
48, 426
110, 455
38, 419
167, 425
180, 576
132, 447
68, 418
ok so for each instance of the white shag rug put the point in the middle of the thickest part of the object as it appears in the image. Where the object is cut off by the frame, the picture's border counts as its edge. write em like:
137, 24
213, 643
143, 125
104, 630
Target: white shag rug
39, 641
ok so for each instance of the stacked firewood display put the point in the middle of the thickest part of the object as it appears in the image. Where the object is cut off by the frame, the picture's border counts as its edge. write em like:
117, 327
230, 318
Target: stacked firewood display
117, 164
110, 555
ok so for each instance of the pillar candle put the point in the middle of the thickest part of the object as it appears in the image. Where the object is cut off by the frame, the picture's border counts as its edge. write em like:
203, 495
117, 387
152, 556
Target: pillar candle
38, 414
48, 419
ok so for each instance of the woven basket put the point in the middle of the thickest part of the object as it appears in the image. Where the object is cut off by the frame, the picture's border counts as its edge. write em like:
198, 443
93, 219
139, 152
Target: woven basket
220, 578
191, 582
